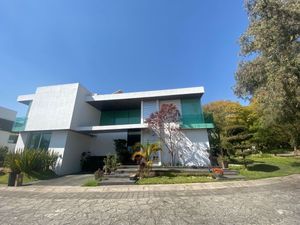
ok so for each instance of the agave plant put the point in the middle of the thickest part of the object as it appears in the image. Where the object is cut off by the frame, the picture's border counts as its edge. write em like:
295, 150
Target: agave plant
30, 161
144, 155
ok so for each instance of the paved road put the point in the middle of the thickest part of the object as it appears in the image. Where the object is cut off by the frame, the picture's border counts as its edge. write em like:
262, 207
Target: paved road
273, 202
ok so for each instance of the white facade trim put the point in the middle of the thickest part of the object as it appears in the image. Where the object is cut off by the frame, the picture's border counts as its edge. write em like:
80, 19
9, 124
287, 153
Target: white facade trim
112, 127
147, 94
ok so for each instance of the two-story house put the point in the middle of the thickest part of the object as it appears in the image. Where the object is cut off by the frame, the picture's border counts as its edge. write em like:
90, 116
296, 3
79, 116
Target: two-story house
70, 120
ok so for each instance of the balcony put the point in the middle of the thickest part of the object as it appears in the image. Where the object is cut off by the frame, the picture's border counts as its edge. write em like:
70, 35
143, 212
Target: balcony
196, 122
19, 124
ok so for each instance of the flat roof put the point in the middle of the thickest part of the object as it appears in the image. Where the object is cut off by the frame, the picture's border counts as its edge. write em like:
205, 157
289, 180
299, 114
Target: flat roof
148, 94
133, 99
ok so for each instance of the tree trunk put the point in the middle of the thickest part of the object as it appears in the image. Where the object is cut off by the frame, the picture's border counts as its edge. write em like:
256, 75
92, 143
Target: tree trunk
295, 150
172, 159
245, 164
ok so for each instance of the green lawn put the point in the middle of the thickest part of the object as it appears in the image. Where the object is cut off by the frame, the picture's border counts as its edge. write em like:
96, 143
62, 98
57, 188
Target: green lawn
269, 166
262, 166
4, 179
175, 179
37, 176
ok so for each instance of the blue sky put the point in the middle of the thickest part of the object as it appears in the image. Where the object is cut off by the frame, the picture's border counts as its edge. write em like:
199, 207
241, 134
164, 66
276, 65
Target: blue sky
133, 45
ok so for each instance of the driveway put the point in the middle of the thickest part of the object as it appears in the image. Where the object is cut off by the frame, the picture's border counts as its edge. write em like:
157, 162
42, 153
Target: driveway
271, 201
68, 180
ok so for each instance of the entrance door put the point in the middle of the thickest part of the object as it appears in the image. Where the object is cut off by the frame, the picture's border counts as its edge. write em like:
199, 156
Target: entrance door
133, 137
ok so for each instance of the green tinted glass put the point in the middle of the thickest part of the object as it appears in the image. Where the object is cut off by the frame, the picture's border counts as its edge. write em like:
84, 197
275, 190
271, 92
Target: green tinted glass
119, 117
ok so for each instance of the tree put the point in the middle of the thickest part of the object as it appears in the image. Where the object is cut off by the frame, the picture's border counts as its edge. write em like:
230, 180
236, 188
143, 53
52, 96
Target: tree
270, 68
238, 137
225, 113
165, 124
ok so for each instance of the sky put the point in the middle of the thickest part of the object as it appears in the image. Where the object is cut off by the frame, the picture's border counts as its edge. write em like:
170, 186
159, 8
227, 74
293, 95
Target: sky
107, 45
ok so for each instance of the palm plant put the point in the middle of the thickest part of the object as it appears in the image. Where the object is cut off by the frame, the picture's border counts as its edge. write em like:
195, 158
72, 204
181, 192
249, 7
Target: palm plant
143, 155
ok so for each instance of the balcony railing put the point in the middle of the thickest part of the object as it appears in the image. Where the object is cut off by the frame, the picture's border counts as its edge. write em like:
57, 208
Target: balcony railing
196, 121
19, 124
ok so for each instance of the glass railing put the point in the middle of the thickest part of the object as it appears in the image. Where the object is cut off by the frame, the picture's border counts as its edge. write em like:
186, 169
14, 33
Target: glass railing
19, 124
196, 121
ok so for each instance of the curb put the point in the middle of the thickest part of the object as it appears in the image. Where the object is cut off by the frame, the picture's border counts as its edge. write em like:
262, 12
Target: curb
156, 187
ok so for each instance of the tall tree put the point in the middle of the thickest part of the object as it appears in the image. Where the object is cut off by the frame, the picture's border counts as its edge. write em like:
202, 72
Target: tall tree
165, 124
270, 67
225, 113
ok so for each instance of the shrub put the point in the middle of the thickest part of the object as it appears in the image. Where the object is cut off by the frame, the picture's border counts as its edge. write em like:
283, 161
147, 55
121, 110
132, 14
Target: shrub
31, 161
3, 153
123, 154
110, 162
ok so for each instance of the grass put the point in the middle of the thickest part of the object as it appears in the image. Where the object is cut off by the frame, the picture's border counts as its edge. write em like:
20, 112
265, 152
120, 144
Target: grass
26, 179
36, 176
265, 166
91, 183
173, 178
261, 166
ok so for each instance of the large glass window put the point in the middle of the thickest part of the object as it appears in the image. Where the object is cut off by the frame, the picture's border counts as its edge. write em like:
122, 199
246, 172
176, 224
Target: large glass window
119, 117
39, 140
191, 112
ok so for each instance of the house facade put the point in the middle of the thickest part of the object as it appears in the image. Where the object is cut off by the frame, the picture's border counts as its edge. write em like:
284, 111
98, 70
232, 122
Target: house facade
70, 120
7, 119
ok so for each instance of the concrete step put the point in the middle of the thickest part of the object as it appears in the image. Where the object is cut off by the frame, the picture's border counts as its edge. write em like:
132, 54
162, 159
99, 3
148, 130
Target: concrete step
126, 175
116, 181
127, 170
128, 166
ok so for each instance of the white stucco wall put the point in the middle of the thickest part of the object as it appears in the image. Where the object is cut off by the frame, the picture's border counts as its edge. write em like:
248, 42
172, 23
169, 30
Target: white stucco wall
75, 144
22, 140
52, 107
57, 144
84, 114
198, 137
103, 143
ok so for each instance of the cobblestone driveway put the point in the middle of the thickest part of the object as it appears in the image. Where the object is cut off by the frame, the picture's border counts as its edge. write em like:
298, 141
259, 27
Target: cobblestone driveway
274, 202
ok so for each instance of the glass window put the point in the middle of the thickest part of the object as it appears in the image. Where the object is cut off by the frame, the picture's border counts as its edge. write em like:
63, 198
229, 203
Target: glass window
34, 140
12, 139
118, 117
191, 112
45, 141
39, 140
121, 117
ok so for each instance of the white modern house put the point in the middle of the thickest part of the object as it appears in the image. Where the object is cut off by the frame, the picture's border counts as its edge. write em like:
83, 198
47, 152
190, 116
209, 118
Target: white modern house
7, 119
70, 120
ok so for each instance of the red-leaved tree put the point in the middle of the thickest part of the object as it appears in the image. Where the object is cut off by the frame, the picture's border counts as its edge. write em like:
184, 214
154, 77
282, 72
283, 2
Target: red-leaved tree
165, 124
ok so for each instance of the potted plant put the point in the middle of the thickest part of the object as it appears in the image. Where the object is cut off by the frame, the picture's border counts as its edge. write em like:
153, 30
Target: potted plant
217, 173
